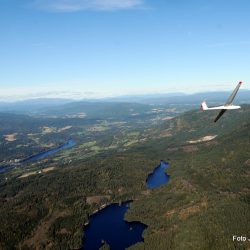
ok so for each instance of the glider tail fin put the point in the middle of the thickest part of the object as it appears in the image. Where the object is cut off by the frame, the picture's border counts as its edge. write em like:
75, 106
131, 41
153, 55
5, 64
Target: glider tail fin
204, 105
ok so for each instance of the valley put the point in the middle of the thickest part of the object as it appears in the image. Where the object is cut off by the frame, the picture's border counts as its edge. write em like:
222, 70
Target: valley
46, 203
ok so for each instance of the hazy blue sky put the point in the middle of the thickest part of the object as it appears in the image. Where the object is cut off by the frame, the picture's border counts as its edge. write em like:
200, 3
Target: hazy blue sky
122, 46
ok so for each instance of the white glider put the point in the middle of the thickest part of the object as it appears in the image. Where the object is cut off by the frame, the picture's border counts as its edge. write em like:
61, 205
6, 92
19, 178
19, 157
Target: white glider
226, 106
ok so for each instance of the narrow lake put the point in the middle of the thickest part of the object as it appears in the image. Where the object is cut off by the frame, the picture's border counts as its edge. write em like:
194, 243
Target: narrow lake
158, 177
109, 225
70, 143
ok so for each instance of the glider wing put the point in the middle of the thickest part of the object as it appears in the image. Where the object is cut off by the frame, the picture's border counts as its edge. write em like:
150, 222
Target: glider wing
219, 115
232, 96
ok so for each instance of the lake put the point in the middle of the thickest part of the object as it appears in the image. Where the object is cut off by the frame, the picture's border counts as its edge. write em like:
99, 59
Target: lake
158, 177
109, 225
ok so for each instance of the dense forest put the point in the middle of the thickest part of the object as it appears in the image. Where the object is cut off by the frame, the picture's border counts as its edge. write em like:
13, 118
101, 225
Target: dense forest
205, 203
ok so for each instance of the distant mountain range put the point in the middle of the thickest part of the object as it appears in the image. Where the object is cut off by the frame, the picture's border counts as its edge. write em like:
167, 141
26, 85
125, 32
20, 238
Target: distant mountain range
32, 105
36, 105
181, 98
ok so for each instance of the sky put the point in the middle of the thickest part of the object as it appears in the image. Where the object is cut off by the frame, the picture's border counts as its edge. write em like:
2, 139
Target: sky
96, 48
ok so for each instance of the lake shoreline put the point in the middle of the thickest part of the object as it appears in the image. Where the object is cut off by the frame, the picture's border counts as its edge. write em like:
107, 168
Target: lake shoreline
129, 224
163, 165
158, 177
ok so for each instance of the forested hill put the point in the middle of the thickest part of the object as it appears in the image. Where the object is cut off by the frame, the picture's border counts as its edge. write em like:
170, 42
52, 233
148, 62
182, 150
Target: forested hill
207, 200
205, 203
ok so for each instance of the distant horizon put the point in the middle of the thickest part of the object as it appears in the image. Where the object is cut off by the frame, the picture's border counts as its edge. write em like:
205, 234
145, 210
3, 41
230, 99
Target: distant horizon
78, 96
